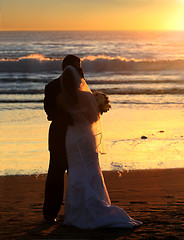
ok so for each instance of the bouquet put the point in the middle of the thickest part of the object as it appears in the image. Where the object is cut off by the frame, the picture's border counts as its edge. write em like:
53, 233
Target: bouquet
102, 101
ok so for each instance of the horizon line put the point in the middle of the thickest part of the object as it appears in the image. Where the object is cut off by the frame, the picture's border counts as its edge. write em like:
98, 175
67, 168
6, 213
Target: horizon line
94, 30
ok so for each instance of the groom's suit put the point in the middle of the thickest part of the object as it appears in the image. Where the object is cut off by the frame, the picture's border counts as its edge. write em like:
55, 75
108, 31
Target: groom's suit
58, 162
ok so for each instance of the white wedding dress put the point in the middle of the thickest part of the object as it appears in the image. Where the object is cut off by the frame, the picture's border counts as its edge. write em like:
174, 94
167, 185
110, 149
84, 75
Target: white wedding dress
87, 203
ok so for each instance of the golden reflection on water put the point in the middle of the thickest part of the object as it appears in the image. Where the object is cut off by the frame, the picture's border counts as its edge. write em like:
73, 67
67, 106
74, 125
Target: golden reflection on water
23, 143
163, 147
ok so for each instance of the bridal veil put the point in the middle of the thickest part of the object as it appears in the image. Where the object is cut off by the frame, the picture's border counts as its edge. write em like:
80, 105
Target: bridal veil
81, 104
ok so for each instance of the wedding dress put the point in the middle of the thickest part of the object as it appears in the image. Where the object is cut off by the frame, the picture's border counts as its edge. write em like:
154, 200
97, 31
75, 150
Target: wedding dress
87, 203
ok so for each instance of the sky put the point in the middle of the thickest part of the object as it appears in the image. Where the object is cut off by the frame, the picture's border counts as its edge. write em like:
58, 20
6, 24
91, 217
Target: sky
91, 15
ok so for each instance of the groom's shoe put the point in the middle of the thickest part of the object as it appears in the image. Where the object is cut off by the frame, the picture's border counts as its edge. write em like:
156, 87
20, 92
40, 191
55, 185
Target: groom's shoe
51, 221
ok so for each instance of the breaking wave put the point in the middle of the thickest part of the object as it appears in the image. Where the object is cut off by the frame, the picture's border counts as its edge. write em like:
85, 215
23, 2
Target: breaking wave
38, 63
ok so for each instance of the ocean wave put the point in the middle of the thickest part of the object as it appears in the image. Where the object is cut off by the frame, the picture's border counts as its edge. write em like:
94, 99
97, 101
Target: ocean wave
102, 64
134, 102
38, 103
21, 91
31, 64
38, 63
26, 79
131, 82
47, 79
108, 91
22, 101
137, 91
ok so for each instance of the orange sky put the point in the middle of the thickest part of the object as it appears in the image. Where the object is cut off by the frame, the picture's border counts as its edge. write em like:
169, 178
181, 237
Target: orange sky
91, 14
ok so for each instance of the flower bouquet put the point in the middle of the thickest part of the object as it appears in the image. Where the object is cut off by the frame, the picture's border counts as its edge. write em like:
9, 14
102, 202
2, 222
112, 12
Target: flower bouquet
102, 101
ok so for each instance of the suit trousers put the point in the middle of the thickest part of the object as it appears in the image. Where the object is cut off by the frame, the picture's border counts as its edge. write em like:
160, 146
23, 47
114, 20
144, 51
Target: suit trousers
54, 186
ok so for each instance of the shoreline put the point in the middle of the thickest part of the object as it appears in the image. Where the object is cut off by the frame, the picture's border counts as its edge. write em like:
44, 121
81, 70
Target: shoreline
120, 172
154, 197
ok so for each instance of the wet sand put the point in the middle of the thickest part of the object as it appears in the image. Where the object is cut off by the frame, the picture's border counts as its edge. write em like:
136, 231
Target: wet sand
155, 197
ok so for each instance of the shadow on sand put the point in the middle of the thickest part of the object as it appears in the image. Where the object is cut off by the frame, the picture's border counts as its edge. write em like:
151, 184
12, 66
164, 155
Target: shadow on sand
59, 231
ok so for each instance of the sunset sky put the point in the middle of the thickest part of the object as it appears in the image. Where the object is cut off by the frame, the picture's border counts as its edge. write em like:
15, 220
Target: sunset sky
91, 14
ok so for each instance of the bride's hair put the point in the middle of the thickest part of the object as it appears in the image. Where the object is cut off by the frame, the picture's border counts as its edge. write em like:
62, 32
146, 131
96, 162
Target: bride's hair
74, 61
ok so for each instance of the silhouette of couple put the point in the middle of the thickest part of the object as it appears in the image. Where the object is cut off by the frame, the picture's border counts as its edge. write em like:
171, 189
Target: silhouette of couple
73, 145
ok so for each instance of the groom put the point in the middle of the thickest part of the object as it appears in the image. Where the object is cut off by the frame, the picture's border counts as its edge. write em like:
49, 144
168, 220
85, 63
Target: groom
54, 186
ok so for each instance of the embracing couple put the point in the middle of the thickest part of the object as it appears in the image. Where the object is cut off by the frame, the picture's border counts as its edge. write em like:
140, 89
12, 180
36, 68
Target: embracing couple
74, 144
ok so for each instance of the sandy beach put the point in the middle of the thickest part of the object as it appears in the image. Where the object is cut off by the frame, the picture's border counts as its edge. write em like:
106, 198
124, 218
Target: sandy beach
155, 197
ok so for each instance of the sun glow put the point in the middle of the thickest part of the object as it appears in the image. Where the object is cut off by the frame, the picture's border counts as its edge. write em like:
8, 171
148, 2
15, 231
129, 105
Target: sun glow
116, 15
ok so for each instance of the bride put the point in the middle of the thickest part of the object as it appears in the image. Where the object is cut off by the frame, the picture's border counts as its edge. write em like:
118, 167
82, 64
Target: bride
87, 202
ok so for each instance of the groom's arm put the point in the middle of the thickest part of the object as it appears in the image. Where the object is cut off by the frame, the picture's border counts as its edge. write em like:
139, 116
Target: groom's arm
53, 112
49, 103
52, 89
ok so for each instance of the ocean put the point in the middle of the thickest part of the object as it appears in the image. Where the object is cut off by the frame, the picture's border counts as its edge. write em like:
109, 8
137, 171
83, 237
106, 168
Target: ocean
142, 73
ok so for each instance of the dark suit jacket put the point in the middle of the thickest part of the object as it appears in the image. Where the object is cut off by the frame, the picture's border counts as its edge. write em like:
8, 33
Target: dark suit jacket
60, 119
